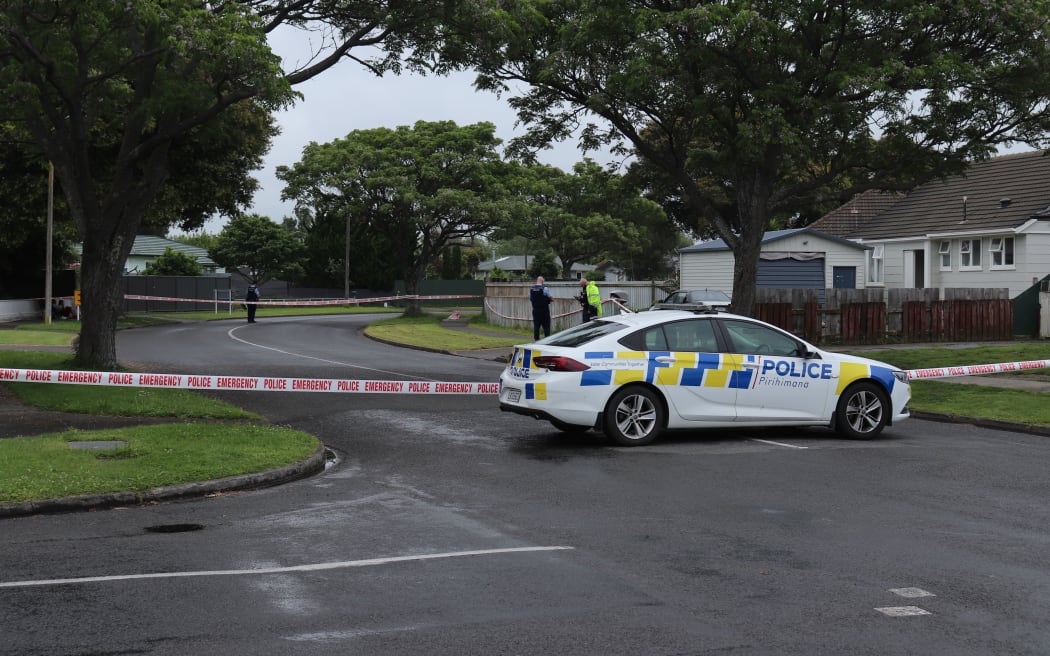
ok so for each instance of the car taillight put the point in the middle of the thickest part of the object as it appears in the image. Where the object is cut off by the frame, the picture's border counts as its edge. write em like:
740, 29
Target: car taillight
558, 363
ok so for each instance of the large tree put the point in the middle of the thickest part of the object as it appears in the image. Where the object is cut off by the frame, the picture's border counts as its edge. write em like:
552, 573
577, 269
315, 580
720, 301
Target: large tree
106, 90
754, 108
259, 249
416, 188
581, 216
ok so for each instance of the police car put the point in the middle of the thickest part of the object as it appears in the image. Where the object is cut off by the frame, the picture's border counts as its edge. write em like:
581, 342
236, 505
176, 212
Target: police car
634, 375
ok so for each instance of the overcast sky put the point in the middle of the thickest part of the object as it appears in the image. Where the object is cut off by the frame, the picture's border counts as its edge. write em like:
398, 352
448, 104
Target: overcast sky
348, 98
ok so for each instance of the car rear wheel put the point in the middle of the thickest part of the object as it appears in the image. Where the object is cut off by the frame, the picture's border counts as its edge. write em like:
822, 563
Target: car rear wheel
862, 412
634, 416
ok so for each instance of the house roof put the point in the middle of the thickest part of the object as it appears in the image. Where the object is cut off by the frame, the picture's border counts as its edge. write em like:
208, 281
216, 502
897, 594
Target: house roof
150, 246
858, 211
771, 236
1002, 193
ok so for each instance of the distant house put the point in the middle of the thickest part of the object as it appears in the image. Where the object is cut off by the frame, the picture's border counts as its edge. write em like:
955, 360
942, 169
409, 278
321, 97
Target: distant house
517, 266
802, 258
148, 248
987, 228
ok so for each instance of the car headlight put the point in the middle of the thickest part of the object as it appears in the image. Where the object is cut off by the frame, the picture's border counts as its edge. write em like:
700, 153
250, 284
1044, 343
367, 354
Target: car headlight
901, 376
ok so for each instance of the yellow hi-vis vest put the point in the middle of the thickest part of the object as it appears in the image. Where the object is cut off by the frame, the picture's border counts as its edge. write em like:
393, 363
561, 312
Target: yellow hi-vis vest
594, 297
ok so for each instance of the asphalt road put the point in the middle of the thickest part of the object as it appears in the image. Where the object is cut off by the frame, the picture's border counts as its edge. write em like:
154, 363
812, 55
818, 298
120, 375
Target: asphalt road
447, 527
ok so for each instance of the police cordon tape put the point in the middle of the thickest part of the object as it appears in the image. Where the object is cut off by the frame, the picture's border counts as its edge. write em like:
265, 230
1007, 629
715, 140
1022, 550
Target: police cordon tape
243, 383
351, 386
323, 301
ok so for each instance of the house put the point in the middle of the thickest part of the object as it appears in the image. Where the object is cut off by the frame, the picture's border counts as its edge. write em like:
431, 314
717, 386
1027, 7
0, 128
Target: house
517, 266
148, 248
987, 228
800, 258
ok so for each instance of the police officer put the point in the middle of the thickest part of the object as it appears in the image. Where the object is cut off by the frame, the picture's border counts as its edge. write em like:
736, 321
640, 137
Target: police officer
250, 298
592, 299
540, 297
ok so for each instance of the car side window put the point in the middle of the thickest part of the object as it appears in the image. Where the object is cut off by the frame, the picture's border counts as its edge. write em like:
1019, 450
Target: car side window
747, 337
693, 335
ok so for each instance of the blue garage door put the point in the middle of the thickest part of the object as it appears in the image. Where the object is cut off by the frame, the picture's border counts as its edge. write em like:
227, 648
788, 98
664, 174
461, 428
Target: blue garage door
792, 274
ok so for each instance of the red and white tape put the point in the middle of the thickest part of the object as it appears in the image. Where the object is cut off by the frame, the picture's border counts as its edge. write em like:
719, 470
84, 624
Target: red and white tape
324, 301
353, 386
243, 383
977, 369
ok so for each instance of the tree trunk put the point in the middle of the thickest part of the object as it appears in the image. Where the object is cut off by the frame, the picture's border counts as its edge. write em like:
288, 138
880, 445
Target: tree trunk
102, 296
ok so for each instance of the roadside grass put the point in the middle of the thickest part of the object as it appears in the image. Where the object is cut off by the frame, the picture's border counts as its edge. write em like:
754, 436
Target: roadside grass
111, 401
427, 332
979, 402
46, 467
27, 337
926, 358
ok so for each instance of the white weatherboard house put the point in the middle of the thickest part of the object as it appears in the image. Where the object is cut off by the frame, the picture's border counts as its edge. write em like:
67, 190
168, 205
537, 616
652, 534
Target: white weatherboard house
802, 258
987, 228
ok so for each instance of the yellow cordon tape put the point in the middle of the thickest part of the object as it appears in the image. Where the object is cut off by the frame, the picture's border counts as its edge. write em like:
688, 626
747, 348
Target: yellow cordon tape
212, 382
348, 386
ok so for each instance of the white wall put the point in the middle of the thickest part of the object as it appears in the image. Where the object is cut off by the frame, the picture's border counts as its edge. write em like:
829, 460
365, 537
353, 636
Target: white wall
714, 269
1031, 261
20, 310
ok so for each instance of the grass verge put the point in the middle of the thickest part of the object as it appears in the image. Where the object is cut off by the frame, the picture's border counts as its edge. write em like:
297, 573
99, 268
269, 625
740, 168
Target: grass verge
46, 467
978, 402
427, 332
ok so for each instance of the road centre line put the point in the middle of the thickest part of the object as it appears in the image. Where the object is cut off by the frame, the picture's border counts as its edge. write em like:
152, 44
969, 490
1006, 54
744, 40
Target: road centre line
786, 446
316, 567
230, 334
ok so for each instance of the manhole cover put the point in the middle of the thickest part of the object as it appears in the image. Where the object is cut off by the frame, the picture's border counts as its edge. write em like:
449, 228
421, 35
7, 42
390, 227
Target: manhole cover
174, 528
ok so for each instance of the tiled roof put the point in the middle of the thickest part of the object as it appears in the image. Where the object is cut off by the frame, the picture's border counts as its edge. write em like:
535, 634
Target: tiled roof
150, 246
998, 193
769, 237
860, 210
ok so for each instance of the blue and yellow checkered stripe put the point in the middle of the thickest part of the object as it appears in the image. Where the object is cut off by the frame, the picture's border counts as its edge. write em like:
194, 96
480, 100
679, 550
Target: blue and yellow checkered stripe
670, 368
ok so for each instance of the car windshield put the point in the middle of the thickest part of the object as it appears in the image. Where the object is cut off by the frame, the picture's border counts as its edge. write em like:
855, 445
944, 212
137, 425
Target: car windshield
708, 296
583, 333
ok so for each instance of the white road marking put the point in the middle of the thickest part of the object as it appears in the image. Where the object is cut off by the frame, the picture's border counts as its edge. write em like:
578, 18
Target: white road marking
230, 334
903, 611
911, 593
316, 567
787, 446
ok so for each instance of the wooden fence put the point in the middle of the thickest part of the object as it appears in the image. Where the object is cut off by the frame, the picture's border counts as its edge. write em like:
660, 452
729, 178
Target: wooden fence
862, 316
848, 316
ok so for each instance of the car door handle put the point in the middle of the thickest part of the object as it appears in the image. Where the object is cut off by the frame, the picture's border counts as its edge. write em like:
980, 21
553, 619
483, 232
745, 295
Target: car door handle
665, 359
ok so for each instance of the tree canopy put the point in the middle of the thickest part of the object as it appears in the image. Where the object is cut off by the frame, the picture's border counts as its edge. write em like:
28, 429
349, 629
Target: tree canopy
588, 214
753, 108
173, 263
109, 91
259, 249
416, 188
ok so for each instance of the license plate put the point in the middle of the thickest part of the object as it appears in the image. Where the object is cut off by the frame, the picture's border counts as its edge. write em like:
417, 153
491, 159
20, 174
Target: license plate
513, 395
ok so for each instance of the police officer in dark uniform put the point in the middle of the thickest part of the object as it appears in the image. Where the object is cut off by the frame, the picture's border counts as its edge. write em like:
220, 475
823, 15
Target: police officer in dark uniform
540, 296
250, 298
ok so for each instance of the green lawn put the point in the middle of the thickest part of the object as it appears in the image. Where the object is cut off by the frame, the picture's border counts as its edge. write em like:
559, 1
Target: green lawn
46, 467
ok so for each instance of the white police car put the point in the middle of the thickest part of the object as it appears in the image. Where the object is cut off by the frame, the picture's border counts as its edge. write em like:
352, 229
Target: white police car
633, 375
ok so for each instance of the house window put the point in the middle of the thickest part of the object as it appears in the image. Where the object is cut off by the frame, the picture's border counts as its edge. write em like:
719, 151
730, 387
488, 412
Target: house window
875, 269
945, 251
1002, 252
969, 254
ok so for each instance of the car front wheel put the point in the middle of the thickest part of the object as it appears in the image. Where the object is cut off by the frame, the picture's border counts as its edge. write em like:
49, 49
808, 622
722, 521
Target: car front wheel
634, 416
862, 412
